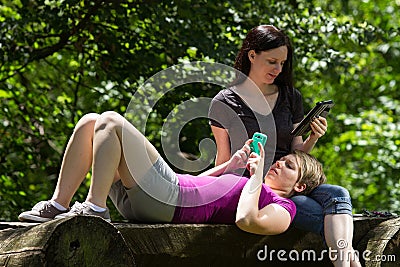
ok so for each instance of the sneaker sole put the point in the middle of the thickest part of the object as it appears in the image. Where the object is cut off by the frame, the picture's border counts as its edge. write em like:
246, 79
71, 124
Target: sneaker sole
73, 215
33, 218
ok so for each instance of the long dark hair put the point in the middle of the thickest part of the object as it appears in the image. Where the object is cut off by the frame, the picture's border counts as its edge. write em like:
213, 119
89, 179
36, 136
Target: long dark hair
263, 38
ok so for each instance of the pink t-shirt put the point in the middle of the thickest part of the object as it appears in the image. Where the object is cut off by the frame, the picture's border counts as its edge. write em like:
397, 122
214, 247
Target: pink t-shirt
209, 199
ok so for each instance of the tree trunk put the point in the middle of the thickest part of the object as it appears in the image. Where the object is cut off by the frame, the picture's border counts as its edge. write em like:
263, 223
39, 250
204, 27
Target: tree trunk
91, 241
381, 245
77, 241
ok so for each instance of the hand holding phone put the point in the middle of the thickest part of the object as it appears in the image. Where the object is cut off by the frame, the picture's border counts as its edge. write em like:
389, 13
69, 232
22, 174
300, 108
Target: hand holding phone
258, 138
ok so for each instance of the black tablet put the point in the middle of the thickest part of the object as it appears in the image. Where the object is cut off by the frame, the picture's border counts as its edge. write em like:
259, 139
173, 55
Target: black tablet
321, 109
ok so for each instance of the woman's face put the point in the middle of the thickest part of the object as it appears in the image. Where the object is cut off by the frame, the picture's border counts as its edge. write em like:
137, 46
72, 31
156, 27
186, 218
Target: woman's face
267, 65
283, 174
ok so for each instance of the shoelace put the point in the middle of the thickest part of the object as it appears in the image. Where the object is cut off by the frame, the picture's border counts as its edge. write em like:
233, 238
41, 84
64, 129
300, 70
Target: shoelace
77, 207
40, 205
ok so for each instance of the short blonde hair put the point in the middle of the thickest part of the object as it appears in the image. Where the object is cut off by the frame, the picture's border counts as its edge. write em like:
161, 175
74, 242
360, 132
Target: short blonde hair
311, 172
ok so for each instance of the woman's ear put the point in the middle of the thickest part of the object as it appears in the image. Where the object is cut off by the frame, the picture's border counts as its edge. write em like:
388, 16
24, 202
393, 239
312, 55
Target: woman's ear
299, 187
251, 54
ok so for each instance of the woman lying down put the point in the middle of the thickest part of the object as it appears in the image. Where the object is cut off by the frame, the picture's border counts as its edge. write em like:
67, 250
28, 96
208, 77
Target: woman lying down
128, 168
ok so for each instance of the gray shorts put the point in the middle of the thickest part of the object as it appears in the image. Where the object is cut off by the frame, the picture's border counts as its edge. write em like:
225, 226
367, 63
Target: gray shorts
153, 200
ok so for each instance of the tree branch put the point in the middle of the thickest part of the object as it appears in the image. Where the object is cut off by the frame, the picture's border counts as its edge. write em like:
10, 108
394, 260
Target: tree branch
65, 36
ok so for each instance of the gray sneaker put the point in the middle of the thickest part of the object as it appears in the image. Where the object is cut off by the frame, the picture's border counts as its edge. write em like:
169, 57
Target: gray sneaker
84, 209
41, 212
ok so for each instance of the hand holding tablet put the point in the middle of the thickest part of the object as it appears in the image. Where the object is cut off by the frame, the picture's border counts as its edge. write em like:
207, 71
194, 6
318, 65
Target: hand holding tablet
321, 109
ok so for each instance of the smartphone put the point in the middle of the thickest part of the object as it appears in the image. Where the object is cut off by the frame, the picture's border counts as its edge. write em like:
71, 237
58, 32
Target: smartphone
258, 138
321, 109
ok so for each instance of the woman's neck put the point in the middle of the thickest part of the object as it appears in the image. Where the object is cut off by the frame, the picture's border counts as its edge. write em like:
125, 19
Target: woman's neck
260, 100
268, 89
265, 89
282, 193
251, 87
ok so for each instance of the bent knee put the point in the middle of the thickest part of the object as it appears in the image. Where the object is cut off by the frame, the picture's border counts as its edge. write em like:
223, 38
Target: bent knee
338, 202
108, 119
340, 192
334, 191
87, 121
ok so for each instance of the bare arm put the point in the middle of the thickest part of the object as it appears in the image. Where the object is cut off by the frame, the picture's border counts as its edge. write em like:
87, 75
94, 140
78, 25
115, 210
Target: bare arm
223, 146
273, 219
270, 220
216, 171
238, 160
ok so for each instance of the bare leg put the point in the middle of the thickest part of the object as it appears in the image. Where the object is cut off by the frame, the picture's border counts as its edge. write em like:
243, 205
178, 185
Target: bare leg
114, 141
77, 160
339, 235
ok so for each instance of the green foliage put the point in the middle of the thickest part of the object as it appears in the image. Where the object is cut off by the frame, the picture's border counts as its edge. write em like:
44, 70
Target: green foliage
370, 146
63, 59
